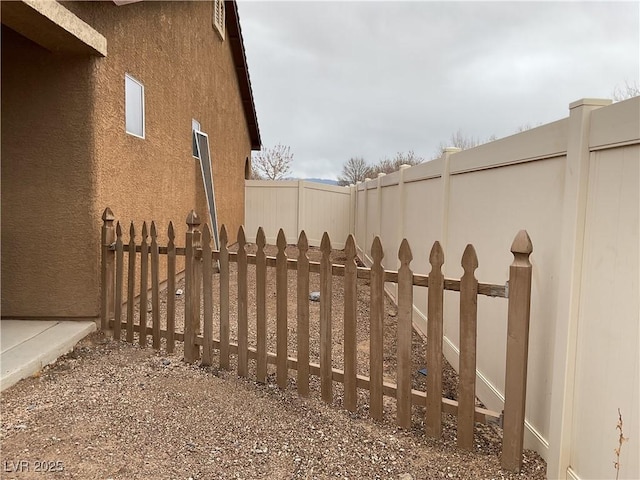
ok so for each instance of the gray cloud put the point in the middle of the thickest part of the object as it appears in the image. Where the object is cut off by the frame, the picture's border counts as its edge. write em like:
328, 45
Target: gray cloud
341, 79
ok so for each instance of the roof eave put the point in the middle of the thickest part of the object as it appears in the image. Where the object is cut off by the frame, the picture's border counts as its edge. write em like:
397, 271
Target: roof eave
234, 35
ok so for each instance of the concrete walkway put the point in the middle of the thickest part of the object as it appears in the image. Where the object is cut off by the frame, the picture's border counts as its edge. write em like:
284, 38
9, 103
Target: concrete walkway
28, 345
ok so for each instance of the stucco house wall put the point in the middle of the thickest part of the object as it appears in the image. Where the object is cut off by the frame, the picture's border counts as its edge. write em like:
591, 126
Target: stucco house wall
67, 156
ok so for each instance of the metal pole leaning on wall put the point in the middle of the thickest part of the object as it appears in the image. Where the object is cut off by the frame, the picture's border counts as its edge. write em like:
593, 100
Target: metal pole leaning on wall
107, 271
517, 352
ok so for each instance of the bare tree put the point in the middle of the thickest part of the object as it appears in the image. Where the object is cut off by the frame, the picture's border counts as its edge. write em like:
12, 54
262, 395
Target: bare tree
272, 163
462, 141
387, 165
628, 90
354, 170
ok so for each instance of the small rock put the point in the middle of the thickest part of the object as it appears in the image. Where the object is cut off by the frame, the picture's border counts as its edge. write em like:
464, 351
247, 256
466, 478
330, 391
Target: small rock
314, 296
179, 292
392, 313
166, 361
406, 476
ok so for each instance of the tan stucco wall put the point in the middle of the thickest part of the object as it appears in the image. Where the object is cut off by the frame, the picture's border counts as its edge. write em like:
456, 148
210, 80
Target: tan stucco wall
187, 72
48, 192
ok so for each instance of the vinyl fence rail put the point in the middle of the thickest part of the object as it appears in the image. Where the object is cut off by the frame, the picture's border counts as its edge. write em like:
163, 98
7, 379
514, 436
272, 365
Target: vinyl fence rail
202, 263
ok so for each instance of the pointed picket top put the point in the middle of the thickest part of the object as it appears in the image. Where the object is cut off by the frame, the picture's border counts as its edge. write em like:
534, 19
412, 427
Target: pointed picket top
303, 243
261, 240
223, 236
377, 253
436, 257
107, 215
404, 253
118, 230
242, 239
154, 233
193, 220
469, 259
281, 241
206, 235
522, 244
170, 233
132, 232
325, 244
350, 248
145, 233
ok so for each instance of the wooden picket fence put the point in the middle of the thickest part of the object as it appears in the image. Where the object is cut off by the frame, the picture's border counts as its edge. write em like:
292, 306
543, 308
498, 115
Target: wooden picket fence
201, 262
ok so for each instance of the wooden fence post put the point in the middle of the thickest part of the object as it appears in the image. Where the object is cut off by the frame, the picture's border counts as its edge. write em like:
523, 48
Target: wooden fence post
303, 315
405, 310
207, 292
131, 279
517, 352
376, 331
468, 336
261, 307
117, 327
243, 327
434, 342
144, 278
350, 323
281, 311
224, 299
191, 310
155, 287
326, 298
171, 289
108, 263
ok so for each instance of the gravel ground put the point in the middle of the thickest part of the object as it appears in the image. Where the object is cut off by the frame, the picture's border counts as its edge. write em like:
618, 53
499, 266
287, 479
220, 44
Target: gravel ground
113, 410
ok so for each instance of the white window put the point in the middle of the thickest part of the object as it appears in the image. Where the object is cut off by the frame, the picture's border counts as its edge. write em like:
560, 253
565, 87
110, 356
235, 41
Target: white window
195, 127
218, 17
134, 106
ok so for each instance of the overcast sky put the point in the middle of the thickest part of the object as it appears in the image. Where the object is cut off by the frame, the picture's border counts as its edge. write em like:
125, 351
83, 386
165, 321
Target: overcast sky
335, 80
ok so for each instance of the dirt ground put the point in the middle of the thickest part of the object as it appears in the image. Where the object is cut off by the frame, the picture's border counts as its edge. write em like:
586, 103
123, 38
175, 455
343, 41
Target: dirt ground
117, 411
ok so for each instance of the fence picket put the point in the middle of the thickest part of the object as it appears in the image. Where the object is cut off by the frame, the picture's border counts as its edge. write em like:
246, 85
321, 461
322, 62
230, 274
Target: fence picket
261, 308
117, 327
281, 310
434, 342
242, 304
144, 282
171, 290
191, 306
155, 286
515, 391
376, 342
131, 278
326, 381
350, 320
468, 333
404, 319
224, 299
303, 316
207, 293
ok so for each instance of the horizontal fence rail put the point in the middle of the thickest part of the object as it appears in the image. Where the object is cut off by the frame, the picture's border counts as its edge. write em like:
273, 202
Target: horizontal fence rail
202, 262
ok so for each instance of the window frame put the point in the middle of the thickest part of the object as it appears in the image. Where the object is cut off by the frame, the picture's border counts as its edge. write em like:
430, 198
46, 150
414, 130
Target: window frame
194, 145
134, 80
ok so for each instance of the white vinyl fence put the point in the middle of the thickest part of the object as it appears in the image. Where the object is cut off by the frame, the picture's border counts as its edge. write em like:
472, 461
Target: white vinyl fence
574, 186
